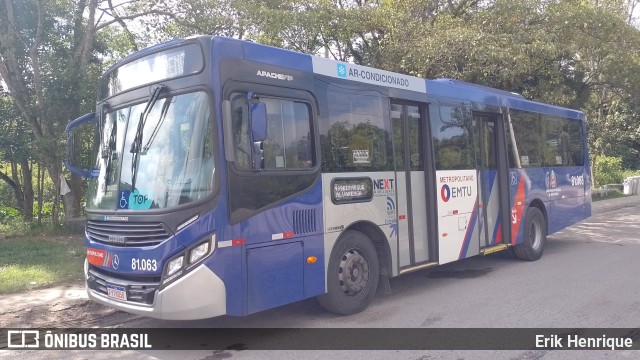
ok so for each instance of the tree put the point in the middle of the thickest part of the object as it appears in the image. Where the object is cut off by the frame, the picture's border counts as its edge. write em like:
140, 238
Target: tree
48, 60
16, 152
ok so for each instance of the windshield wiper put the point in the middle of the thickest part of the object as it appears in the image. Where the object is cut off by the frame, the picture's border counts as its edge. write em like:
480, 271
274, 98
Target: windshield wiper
136, 145
163, 115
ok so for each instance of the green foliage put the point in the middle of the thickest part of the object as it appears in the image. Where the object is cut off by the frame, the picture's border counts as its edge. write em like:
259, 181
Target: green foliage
629, 173
8, 214
607, 170
582, 54
14, 226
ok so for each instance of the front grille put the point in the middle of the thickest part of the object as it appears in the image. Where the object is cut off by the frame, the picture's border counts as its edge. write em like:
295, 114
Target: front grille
139, 290
127, 233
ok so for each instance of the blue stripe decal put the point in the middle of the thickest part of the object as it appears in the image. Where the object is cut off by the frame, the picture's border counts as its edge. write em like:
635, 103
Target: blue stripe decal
494, 239
467, 236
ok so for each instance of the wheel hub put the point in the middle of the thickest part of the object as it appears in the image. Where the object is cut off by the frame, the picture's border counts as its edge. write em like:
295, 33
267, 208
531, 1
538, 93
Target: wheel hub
353, 272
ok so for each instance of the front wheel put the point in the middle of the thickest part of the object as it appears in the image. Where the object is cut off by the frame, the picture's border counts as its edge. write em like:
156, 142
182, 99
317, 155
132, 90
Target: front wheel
534, 236
352, 275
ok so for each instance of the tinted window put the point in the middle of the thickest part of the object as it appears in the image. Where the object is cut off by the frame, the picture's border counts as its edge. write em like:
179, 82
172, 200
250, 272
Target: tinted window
398, 134
575, 153
355, 135
512, 152
544, 140
553, 137
527, 132
415, 137
453, 140
288, 144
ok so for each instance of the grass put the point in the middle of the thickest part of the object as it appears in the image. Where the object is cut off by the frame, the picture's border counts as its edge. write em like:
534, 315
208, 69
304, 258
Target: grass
31, 263
612, 194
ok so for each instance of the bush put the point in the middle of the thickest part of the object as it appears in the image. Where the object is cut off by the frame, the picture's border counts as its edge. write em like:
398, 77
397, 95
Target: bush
629, 173
607, 170
15, 227
8, 214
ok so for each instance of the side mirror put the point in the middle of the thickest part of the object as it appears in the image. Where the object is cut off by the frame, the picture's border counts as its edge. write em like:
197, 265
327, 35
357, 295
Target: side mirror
258, 113
71, 127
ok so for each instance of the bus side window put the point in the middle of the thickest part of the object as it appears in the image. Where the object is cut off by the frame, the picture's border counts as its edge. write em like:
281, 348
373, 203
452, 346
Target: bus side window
240, 121
288, 144
528, 134
289, 141
453, 137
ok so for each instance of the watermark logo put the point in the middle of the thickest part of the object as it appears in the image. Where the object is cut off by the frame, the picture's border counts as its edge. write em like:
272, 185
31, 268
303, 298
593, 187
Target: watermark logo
23, 339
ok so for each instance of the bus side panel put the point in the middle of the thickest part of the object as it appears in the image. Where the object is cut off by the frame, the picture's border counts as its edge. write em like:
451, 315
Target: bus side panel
275, 276
565, 188
458, 225
526, 186
380, 209
561, 189
517, 184
277, 242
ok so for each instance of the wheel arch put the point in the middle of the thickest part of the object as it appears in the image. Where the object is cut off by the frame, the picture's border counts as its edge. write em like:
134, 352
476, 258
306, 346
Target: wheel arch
380, 243
537, 203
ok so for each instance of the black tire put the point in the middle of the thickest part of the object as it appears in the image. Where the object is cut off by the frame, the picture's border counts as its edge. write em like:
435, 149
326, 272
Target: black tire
534, 236
352, 254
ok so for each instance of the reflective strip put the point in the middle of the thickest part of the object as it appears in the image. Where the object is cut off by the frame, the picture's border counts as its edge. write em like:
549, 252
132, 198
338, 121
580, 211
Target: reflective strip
284, 235
228, 243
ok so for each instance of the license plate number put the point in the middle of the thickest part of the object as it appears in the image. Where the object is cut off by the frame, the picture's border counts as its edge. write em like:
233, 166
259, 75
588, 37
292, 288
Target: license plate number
117, 292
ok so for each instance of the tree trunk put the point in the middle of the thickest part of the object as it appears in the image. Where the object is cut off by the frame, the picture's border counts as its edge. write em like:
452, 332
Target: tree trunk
27, 181
17, 191
40, 192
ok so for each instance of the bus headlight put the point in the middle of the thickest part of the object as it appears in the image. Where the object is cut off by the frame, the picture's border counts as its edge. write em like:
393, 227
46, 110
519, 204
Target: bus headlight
188, 259
174, 265
198, 252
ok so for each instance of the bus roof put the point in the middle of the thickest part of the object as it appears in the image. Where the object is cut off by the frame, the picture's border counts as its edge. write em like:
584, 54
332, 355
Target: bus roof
448, 88
464, 91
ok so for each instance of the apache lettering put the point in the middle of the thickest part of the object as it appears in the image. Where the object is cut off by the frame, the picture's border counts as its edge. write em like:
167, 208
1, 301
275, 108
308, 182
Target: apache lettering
273, 75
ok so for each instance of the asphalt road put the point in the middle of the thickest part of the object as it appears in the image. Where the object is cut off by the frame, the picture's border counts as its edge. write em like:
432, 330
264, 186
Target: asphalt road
589, 276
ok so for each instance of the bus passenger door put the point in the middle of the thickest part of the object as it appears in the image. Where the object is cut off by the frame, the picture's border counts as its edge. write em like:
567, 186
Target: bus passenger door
493, 188
407, 121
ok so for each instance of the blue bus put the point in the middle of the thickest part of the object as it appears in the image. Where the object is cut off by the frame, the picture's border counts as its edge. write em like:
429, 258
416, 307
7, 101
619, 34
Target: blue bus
232, 177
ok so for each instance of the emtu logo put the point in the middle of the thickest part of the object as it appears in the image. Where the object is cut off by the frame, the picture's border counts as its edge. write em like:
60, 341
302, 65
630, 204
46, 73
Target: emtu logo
342, 71
445, 193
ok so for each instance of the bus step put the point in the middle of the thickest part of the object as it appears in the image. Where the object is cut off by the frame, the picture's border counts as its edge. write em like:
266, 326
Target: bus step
494, 249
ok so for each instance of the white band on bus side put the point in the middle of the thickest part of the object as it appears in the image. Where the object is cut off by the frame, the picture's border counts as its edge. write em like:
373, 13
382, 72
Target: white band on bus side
343, 70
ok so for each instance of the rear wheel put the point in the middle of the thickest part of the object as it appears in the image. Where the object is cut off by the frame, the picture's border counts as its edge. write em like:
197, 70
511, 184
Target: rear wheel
535, 236
352, 275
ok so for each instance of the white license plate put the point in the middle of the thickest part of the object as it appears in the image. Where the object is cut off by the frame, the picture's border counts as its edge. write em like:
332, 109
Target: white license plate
117, 292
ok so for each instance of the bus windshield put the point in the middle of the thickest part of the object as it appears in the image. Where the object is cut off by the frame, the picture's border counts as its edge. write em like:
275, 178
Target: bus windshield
174, 159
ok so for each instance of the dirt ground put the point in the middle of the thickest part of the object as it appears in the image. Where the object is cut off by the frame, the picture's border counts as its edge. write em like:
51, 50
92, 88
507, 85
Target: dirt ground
56, 307
63, 306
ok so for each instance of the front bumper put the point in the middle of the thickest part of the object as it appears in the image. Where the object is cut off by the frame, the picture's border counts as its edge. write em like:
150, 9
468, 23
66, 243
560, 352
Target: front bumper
200, 294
